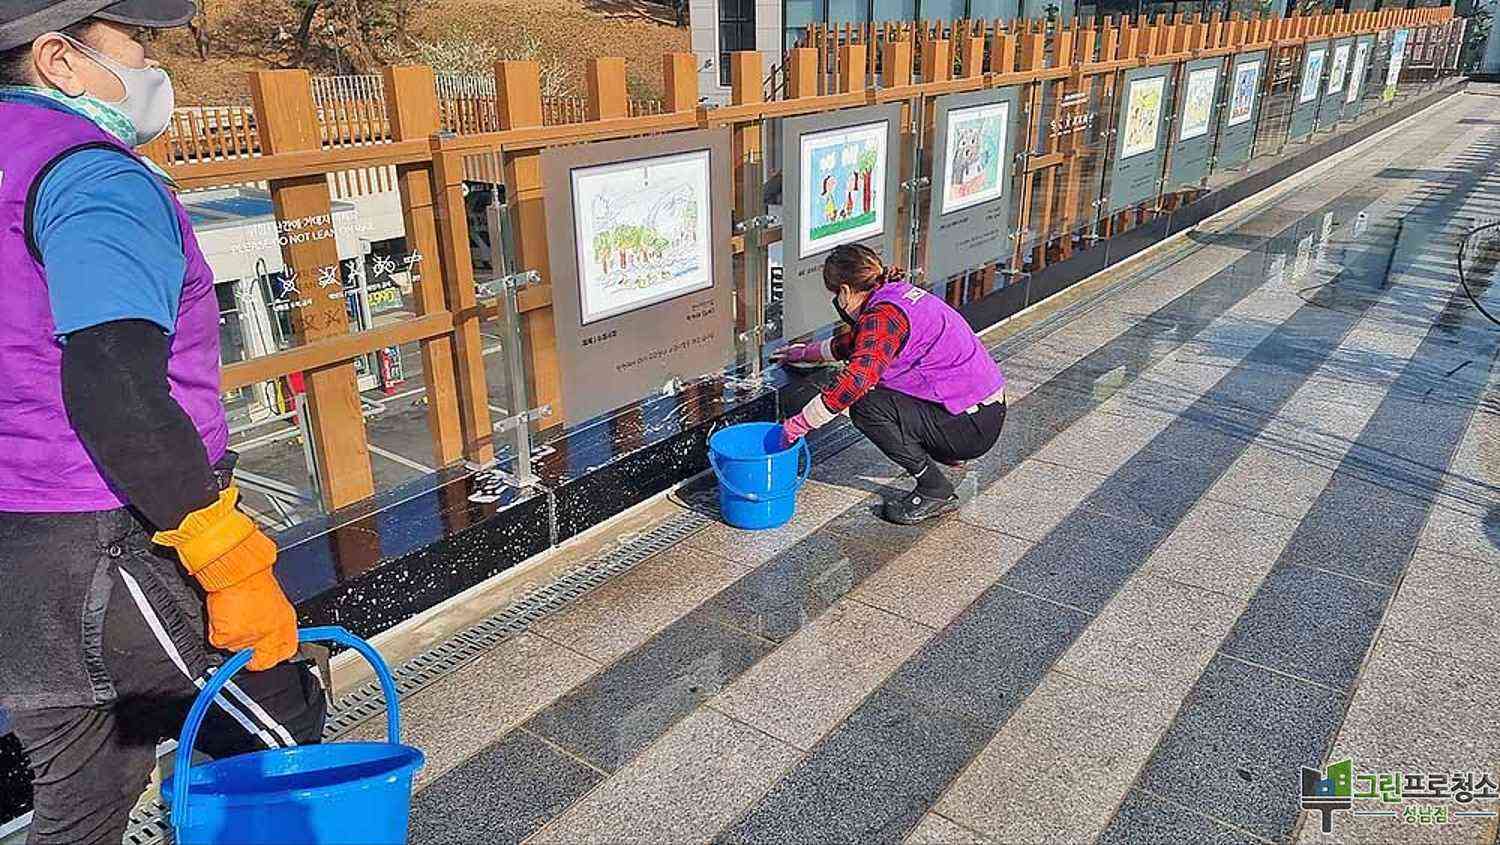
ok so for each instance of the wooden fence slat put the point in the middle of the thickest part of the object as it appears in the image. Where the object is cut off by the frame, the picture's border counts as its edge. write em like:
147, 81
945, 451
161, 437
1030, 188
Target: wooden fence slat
287, 122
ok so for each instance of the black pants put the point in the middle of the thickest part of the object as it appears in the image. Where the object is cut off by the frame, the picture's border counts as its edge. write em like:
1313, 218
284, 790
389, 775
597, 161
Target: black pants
914, 432
102, 648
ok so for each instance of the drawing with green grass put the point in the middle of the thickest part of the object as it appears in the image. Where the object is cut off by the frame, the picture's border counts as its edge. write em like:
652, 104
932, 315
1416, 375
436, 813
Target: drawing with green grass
843, 186
642, 232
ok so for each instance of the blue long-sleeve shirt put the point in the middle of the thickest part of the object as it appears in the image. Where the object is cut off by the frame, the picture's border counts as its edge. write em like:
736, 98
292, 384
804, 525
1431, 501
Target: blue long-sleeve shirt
108, 237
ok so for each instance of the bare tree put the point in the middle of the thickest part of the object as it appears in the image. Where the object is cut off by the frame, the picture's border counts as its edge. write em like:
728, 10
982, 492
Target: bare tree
468, 51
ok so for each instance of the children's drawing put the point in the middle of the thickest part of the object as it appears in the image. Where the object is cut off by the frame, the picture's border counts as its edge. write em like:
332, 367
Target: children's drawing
1357, 72
642, 232
1337, 67
1142, 116
1242, 98
1198, 103
975, 155
1398, 57
1311, 74
843, 185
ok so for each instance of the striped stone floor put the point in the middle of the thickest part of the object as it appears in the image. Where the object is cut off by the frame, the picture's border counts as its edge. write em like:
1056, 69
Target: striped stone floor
1243, 519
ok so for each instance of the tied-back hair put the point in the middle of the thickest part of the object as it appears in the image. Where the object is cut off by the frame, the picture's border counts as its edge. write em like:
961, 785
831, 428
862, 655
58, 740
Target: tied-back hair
859, 267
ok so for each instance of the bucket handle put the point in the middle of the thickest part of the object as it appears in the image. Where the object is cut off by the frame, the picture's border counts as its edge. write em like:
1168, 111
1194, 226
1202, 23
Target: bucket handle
804, 468
221, 677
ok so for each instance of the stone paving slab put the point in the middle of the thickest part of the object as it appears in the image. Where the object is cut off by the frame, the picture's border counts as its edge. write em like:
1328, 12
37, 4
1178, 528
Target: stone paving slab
939, 576
610, 717
810, 684
893, 742
626, 611
1153, 635
1236, 756
523, 781
1419, 710
1144, 819
936, 830
1449, 604
1222, 548
1057, 769
467, 711
695, 779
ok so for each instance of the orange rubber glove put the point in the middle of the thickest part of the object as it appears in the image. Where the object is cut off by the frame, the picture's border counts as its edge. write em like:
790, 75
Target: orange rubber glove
232, 560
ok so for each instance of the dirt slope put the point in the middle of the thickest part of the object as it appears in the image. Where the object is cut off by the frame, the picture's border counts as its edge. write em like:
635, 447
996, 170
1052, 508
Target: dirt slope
252, 34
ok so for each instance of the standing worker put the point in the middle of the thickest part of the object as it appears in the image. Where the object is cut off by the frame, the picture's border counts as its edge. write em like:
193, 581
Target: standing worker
918, 381
124, 563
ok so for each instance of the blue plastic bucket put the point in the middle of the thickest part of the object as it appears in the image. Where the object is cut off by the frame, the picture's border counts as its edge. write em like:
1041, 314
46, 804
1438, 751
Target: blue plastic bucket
758, 479
337, 793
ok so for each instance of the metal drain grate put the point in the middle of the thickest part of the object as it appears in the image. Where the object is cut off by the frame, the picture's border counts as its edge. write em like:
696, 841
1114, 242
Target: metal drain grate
148, 824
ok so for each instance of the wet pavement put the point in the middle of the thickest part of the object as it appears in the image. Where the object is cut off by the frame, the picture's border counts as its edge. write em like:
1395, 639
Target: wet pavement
1243, 519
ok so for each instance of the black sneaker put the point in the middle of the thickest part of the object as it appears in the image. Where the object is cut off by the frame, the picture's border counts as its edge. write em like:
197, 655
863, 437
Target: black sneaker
915, 507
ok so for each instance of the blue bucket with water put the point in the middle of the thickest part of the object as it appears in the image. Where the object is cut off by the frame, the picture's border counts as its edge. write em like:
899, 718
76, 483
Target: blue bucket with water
758, 479
310, 795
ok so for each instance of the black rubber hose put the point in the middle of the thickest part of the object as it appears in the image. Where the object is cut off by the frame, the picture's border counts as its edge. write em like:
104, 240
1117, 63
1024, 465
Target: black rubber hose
1462, 245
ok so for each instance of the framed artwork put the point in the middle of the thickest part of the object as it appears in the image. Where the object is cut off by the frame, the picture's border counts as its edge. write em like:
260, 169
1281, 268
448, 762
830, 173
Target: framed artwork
1142, 116
1198, 103
1337, 68
843, 181
642, 232
1398, 57
1312, 73
975, 155
1357, 72
1242, 97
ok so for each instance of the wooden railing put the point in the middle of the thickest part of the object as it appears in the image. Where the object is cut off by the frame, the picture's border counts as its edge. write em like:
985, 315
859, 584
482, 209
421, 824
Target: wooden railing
430, 168
351, 110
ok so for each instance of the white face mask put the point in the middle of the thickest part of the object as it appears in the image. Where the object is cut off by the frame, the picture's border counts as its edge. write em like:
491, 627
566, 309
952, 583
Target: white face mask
149, 99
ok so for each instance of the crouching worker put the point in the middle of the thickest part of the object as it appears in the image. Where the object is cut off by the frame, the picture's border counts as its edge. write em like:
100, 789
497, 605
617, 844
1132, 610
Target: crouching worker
918, 381
125, 565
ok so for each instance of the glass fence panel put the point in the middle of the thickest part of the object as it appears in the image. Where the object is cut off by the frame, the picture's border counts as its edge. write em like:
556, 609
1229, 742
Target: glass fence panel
1074, 131
969, 207
1196, 122
296, 268
1141, 123
638, 254
1278, 100
1241, 109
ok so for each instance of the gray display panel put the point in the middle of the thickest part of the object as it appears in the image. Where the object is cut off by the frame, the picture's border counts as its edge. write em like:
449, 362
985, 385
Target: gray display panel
1340, 62
851, 178
976, 136
1309, 89
1359, 75
1141, 136
1192, 135
639, 247
1242, 105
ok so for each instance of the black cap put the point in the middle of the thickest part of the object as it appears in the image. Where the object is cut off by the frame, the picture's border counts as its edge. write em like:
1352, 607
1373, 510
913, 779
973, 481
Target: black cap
21, 21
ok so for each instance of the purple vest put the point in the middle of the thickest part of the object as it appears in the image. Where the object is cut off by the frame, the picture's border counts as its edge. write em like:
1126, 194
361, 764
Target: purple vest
943, 360
43, 466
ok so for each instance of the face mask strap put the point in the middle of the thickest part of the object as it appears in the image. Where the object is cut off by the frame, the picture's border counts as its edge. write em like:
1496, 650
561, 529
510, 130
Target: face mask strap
98, 58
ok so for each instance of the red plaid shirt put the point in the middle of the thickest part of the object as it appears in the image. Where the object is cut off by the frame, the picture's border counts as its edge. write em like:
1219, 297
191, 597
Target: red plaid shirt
869, 348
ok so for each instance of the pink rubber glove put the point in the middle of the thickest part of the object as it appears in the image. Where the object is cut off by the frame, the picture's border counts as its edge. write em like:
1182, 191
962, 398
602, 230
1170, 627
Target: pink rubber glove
799, 353
794, 429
